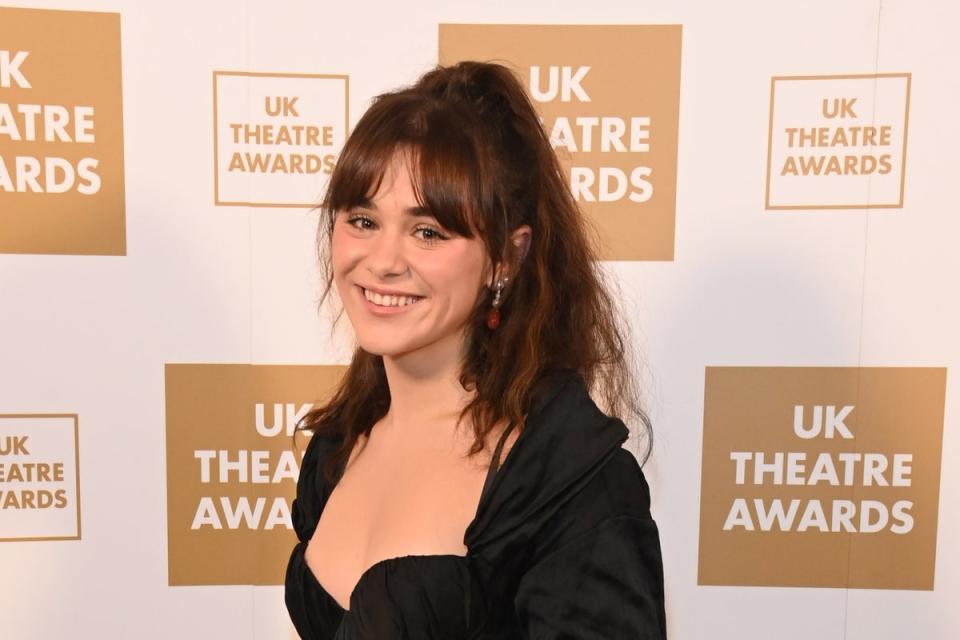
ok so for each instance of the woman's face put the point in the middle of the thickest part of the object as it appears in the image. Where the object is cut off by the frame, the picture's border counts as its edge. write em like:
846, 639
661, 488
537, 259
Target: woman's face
385, 246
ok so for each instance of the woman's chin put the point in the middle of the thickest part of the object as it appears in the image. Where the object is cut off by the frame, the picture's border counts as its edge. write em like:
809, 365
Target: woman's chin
384, 347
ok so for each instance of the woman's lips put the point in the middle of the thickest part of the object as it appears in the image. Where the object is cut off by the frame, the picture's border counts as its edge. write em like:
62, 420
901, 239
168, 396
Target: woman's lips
381, 310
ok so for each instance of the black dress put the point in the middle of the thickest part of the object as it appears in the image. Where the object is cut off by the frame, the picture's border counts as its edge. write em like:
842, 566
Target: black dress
562, 545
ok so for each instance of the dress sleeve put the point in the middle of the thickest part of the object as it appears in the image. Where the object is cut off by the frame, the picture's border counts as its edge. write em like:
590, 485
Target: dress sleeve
311, 490
605, 583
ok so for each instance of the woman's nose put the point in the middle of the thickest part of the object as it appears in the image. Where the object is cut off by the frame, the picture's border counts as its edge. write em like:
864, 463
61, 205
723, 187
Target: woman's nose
387, 256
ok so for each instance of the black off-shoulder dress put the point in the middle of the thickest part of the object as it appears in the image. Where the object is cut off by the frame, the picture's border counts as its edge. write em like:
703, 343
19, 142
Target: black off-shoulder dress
562, 545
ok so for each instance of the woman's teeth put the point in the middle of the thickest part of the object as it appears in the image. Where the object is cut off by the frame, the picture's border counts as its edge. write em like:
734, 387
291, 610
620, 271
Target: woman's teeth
389, 301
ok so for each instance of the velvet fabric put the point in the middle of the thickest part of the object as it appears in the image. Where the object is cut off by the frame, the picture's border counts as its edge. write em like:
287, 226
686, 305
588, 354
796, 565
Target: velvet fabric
563, 545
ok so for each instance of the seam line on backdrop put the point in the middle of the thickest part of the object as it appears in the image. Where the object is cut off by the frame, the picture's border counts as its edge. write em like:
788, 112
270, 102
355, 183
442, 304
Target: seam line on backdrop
250, 210
250, 213
863, 288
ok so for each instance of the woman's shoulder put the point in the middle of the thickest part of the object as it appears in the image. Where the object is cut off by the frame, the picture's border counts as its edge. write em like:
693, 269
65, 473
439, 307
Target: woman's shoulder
321, 443
619, 489
312, 487
611, 481
565, 470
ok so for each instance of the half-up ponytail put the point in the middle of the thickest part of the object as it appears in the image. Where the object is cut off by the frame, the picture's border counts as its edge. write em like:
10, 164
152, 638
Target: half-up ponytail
483, 164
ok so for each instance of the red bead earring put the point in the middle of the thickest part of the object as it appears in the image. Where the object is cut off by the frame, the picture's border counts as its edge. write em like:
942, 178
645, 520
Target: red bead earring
493, 316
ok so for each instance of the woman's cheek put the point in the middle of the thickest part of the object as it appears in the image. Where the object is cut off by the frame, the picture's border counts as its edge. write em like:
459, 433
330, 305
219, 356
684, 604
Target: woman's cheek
345, 248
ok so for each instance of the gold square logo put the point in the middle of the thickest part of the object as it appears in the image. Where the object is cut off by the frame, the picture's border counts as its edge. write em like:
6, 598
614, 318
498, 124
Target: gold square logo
232, 467
61, 133
821, 476
611, 116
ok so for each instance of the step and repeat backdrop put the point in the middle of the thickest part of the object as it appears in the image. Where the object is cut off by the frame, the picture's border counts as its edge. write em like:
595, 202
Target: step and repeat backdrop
772, 188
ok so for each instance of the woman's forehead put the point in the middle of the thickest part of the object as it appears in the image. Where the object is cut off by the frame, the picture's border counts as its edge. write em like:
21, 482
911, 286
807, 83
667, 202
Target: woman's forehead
397, 180
415, 179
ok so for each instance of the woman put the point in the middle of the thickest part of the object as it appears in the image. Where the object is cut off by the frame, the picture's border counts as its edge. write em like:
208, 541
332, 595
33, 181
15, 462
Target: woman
465, 269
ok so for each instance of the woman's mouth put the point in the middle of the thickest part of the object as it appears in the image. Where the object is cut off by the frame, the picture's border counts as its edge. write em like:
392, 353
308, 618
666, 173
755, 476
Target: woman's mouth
388, 304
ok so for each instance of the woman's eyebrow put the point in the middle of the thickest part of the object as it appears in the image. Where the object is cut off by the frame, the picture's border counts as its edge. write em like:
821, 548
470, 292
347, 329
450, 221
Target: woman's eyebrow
415, 211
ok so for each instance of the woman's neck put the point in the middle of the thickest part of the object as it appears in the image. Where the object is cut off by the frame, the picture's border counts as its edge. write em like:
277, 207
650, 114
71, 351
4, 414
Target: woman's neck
425, 390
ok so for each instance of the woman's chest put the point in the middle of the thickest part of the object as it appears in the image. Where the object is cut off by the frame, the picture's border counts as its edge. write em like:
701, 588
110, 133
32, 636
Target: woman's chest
392, 503
420, 503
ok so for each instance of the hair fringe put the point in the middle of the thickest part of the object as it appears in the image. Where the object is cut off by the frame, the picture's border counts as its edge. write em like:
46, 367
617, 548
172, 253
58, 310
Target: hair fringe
482, 162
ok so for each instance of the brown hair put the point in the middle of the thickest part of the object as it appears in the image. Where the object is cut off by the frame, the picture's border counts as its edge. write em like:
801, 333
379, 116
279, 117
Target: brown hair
482, 164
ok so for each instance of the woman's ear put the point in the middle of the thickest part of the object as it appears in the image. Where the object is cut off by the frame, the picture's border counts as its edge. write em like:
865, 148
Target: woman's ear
520, 241
517, 250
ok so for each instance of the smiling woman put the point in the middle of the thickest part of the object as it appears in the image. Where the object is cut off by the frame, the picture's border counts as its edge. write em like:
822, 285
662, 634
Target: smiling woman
390, 247
462, 483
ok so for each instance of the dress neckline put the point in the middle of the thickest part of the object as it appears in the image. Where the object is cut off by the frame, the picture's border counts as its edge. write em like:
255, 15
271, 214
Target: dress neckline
380, 564
568, 438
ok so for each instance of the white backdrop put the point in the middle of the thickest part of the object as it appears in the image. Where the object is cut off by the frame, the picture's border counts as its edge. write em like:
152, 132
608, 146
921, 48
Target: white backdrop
748, 287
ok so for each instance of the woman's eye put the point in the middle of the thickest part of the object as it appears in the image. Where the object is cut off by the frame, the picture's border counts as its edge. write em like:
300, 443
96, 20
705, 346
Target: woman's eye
363, 219
431, 234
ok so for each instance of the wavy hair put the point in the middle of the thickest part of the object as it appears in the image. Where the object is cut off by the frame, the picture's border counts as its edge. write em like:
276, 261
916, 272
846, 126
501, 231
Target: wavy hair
482, 164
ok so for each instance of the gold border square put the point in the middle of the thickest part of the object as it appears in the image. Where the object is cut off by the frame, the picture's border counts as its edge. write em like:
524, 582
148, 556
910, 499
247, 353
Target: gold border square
903, 161
256, 74
76, 452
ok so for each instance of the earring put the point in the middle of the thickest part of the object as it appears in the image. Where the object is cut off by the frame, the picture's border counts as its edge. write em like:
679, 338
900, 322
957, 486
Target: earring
493, 316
